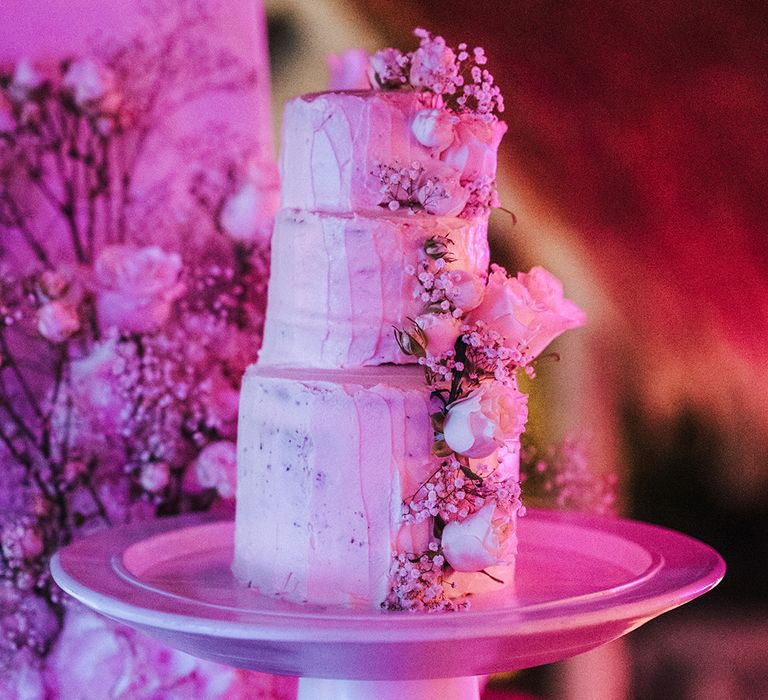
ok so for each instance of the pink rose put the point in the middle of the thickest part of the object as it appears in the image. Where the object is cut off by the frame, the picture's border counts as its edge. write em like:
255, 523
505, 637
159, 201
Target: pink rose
95, 657
216, 468
88, 81
433, 128
440, 192
473, 152
136, 287
57, 321
485, 420
466, 289
529, 310
348, 70
441, 331
485, 538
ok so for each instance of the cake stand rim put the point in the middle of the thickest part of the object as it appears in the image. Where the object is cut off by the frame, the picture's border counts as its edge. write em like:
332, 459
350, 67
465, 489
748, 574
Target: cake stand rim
389, 627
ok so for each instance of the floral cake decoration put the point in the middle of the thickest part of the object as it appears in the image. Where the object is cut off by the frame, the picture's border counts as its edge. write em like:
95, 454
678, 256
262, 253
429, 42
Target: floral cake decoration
474, 334
459, 126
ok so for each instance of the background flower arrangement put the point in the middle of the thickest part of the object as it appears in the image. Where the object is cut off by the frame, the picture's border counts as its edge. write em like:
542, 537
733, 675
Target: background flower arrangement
120, 358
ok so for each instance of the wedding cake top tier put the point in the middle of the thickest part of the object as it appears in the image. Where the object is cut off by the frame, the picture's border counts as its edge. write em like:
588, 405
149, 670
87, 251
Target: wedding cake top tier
367, 150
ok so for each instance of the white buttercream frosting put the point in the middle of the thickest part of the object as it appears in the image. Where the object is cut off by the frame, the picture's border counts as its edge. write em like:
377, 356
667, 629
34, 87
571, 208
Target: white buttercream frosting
340, 283
331, 456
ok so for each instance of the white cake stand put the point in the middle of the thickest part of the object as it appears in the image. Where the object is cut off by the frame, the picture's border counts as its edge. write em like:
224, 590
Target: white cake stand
581, 581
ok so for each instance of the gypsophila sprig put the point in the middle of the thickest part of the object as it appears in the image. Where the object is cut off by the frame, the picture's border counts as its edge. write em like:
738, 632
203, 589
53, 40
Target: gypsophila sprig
457, 78
419, 583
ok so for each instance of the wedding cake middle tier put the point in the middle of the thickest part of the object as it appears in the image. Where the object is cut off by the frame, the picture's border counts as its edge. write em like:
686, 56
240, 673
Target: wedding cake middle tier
339, 283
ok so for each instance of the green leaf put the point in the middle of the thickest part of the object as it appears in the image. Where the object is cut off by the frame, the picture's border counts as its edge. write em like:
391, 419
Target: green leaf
441, 449
470, 474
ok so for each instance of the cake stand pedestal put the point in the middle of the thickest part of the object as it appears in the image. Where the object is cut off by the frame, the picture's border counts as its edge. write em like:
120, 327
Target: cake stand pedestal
581, 581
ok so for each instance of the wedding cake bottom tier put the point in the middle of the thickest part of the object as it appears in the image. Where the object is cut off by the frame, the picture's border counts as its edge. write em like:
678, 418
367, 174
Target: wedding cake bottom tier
326, 460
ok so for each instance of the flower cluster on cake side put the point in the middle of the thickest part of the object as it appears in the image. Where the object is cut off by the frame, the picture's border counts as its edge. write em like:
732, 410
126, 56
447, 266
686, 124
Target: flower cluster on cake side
460, 127
474, 334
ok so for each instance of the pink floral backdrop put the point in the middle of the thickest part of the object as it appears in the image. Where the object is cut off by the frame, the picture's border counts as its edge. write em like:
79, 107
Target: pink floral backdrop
137, 188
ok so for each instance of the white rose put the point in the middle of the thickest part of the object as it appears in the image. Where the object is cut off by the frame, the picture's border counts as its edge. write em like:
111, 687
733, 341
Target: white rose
466, 289
216, 468
348, 70
485, 420
473, 152
440, 192
88, 81
433, 128
25, 80
485, 538
136, 287
529, 310
441, 330
57, 321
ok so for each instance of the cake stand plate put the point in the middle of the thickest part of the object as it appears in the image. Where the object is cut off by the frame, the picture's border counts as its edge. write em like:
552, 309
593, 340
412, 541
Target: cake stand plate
581, 581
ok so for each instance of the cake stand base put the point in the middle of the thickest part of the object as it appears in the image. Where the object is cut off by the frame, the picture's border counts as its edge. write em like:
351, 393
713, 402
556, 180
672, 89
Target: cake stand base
466, 688
580, 581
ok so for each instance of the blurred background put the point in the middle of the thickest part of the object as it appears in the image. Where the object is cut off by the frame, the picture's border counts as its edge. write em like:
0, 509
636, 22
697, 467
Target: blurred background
636, 163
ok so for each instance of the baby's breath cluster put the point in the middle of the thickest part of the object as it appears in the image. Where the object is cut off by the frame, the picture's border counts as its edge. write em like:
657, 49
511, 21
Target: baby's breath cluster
457, 77
419, 584
399, 185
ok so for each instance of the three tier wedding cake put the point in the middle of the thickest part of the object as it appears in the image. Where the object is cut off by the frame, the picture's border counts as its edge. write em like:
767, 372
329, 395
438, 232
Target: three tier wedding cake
379, 433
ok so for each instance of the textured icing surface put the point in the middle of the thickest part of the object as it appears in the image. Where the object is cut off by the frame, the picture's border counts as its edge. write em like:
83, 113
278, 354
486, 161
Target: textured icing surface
331, 460
339, 284
331, 141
